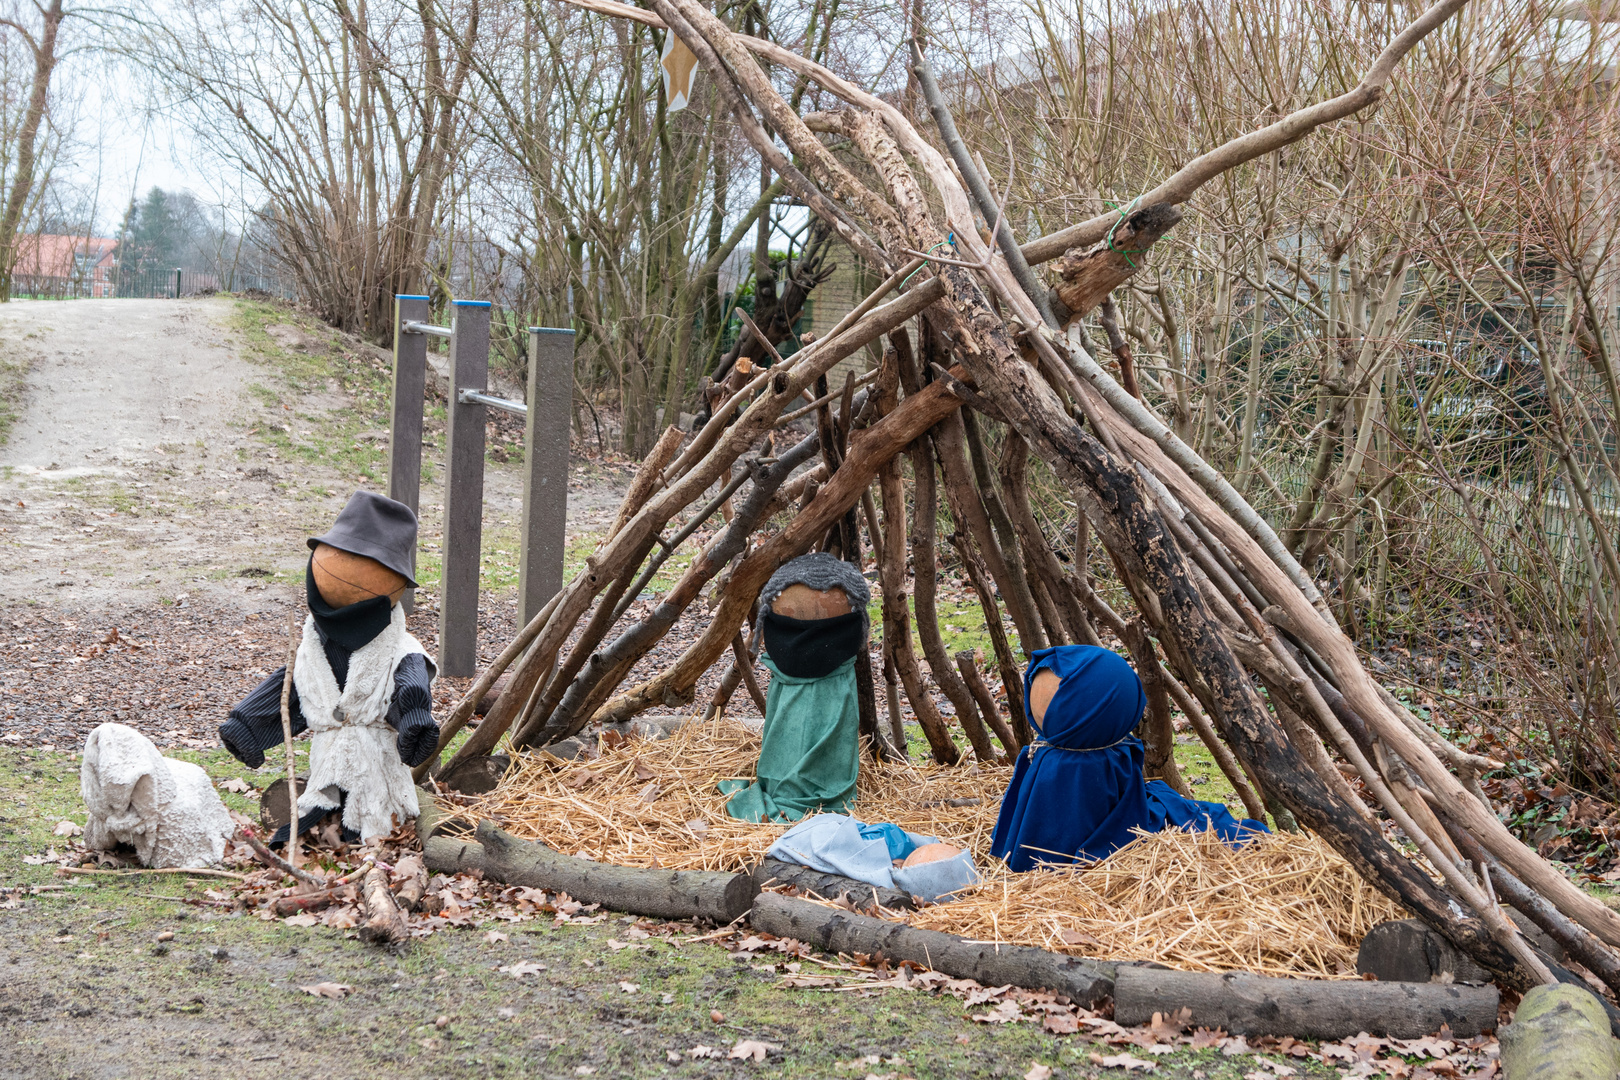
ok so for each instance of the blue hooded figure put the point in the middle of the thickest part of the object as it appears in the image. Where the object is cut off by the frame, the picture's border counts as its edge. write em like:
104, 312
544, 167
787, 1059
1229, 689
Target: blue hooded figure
1078, 791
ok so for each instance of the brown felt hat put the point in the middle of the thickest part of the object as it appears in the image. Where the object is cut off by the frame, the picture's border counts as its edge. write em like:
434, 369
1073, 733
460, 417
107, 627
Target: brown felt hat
377, 527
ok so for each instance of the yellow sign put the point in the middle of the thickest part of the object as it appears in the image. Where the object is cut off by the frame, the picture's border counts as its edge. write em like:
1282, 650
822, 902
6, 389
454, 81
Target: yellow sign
680, 66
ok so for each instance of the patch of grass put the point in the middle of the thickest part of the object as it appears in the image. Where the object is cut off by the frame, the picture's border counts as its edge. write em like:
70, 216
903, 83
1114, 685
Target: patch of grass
14, 366
330, 438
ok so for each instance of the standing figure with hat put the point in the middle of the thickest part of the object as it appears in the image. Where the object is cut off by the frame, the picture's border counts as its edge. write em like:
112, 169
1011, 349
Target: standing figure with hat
362, 684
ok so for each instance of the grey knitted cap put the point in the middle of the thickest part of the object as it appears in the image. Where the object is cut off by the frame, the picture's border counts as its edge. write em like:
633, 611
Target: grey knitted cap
820, 570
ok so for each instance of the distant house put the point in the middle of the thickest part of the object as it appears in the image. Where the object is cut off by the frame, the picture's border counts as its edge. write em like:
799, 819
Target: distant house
77, 265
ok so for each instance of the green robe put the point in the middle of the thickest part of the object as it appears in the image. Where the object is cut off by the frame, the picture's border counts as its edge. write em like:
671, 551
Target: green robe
810, 751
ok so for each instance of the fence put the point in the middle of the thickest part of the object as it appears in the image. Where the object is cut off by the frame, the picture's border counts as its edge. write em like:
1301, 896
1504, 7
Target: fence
542, 533
164, 283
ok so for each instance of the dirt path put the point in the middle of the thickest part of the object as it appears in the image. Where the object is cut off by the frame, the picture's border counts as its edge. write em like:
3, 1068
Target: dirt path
167, 462
131, 412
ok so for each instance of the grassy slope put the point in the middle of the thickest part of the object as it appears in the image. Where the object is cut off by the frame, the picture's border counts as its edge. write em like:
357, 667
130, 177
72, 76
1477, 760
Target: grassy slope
13, 378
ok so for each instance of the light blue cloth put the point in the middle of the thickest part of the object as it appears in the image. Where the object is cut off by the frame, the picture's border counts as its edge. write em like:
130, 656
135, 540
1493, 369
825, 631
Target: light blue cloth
938, 881
838, 844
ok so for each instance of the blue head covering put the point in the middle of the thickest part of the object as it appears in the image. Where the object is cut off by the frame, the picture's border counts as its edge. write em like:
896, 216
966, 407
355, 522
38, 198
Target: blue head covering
1077, 792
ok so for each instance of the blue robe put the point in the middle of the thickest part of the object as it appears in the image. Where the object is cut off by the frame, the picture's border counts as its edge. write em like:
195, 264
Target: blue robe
1078, 791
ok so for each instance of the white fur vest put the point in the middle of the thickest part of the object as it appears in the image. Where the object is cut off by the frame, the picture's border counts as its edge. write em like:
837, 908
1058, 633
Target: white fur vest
352, 747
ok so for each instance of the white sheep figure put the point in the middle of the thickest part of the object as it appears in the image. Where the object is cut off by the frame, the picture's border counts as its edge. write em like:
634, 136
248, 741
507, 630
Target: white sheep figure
166, 809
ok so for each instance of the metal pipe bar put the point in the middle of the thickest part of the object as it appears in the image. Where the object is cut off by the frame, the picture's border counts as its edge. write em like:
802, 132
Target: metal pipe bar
467, 396
430, 329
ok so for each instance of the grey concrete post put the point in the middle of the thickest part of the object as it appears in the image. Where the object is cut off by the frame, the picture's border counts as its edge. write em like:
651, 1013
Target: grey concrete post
405, 429
463, 491
545, 456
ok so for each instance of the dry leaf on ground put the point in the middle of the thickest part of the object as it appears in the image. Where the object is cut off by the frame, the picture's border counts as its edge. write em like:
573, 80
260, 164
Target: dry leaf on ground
750, 1049
1037, 1071
328, 990
522, 968
1123, 1061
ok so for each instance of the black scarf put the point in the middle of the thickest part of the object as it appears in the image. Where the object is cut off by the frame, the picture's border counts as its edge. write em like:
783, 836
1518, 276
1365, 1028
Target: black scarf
352, 626
812, 648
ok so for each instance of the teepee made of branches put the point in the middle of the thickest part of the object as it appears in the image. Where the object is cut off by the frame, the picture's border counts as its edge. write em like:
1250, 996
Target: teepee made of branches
1220, 604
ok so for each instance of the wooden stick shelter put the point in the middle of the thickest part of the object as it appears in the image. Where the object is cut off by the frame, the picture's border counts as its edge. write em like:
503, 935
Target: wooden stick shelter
1219, 600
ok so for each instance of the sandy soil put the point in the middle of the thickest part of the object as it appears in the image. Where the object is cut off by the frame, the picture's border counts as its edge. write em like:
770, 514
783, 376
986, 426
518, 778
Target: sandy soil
125, 478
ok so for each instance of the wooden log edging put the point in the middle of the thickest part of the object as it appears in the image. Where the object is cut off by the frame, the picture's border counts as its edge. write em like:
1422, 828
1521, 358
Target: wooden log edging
444, 854
1085, 982
1559, 1032
1240, 1003
664, 894
829, 886
1304, 1008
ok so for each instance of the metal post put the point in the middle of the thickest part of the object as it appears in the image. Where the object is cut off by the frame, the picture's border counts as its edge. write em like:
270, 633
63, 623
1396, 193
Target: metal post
463, 491
545, 456
177, 283
405, 431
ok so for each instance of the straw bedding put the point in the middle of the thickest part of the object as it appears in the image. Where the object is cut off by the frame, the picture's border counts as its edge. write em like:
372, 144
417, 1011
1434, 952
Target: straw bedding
1282, 905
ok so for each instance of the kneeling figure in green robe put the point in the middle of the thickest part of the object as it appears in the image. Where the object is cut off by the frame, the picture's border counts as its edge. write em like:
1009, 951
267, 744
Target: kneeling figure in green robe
814, 624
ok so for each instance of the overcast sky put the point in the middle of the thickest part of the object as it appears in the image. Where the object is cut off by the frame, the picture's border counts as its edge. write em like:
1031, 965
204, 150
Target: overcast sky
122, 148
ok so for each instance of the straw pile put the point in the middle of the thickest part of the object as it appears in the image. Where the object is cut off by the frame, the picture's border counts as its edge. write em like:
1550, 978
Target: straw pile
654, 803
1282, 905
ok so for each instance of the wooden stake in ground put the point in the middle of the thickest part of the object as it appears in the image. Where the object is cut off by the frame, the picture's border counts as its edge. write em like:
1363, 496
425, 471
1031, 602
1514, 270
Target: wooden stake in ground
296, 634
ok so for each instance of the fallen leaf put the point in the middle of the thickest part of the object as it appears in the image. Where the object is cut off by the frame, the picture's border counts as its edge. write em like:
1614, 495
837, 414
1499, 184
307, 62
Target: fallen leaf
584, 1070
1037, 1071
328, 989
236, 784
640, 771
522, 968
672, 1056
1075, 937
495, 937
1166, 1026
629, 987
1123, 1061
698, 828
705, 1052
1004, 1013
303, 918
1063, 1023
984, 994
68, 828
649, 794
747, 1049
